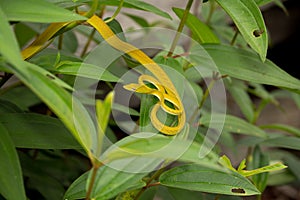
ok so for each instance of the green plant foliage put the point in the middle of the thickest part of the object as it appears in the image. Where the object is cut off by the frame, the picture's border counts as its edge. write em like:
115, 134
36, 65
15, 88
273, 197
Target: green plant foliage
245, 65
37, 11
233, 124
69, 129
201, 31
204, 179
10, 171
29, 130
248, 19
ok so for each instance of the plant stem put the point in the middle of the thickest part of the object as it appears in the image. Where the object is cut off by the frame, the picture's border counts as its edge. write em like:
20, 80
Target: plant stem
93, 9
60, 41
180, 27
215, 78
206, 93
92, 181
148, 183
86, 46
116, 12
211, 11
258, 111
234, 37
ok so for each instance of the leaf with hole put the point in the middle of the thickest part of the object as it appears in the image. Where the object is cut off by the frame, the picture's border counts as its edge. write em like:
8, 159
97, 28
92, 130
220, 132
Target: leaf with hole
205, 179
248, 19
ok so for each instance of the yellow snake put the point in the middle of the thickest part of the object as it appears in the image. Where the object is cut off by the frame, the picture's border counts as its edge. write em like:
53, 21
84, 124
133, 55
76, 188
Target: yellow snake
164, 89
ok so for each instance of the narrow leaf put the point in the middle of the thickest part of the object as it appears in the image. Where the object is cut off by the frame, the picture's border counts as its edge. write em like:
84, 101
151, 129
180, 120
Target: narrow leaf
48, 88
296, 98
248, 18
201, 32
283, 127
77, 188
232, 124
139, 20
205, 179
11, 179
37, 11
9, 48
284, 142
103, 109
268, 168
8, 107
109, 182
139, 5
85, 70
244, 65
238, 91
159, 147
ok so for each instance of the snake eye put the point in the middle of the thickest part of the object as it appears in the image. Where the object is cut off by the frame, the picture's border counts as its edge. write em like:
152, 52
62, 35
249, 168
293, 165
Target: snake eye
150, 85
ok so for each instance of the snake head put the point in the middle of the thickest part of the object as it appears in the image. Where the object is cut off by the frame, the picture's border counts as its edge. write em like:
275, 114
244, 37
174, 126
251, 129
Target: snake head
131, 87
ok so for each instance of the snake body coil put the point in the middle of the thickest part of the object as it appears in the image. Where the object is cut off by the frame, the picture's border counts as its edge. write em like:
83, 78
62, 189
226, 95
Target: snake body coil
164, 89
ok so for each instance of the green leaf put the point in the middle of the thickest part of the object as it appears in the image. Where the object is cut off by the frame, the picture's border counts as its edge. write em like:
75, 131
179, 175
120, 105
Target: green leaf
157, 146
296, 98
139, 5
23, 33
125, 109
261, 92
205, 179
269, 168
139, 20
279, 3
37, 11
232, 124
282, 127
248, 19
201, 32
259, 159
109, 182
68, 3
29, 130
48, 58
28, 97
244, 65
225, 161
48, 88
69, 42
103, 110
77, 189
9, 48
85, 70
11, 181
293, 163
8, 107
238, 91
38, 174
283, 142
